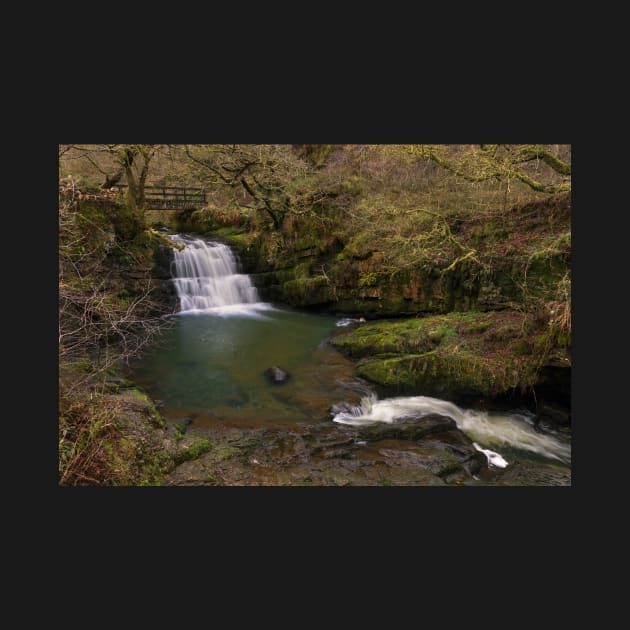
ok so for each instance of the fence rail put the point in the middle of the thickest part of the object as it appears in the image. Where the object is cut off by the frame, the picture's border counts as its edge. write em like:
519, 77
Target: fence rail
170, 197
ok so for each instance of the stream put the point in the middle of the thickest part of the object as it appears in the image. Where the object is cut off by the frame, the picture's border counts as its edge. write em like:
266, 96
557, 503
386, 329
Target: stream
209, 368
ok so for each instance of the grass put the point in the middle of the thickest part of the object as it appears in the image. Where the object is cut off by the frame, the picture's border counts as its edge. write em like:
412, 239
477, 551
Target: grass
92, 448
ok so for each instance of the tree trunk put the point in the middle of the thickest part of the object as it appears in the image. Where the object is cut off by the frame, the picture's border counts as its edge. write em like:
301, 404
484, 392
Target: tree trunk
127, 159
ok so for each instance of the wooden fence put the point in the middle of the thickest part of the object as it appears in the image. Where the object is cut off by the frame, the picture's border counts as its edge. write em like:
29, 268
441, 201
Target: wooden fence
170, 197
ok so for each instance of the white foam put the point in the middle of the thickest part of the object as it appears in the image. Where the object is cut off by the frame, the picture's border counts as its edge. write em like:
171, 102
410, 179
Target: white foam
494, 459
494, 430
255, 310
347, 321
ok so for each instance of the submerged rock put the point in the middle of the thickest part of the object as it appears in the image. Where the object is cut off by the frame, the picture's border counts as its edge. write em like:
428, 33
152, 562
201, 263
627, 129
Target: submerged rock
276, 375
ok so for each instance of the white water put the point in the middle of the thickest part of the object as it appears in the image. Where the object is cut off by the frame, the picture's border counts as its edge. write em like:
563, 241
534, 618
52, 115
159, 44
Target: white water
494, 459
207, 280
496, 430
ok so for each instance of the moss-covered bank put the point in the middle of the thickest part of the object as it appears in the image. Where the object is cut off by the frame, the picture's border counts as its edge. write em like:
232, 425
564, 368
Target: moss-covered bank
114, 286
470, 354
443, 264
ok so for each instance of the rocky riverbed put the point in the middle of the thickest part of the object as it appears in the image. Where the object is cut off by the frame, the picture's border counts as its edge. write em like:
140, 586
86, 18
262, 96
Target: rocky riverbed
429, 451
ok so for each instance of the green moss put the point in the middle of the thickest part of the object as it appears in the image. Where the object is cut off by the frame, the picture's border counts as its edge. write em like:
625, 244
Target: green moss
441, 374
564, 339
563, 242
127, 224
155, 468
77, 368
306, 291
404, 336
154, 236
361, 246
139, 395
230, 232
221, 453
197, 447
459, 353
521, 348
371, 279
155, 417
180, 427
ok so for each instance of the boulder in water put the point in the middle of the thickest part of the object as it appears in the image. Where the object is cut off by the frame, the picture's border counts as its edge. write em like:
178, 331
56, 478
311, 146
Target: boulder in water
276, 375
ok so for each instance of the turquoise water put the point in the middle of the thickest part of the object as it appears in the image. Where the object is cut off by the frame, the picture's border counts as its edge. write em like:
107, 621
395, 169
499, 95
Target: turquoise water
211, 368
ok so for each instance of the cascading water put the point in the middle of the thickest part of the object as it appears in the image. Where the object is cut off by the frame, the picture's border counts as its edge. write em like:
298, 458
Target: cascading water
498, 430
207, 280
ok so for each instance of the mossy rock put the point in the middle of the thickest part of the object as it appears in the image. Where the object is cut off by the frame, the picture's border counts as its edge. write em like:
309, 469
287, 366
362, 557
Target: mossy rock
192, 450
437, 374
458, 354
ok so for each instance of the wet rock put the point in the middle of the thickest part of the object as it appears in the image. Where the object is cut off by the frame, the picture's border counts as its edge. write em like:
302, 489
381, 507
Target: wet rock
276, 375
526, 473
344, 407
333, 443
408, 428
545, 426
553, 414
461, 447
337, 453
162, 259
437, 461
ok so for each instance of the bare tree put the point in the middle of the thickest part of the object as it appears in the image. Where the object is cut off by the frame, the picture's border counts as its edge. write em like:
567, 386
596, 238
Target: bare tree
265, 172
93, 320
114, 161
518, 162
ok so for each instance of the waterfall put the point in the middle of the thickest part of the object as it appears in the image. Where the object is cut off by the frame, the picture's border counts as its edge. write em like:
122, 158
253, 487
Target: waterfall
207, 279
497, 430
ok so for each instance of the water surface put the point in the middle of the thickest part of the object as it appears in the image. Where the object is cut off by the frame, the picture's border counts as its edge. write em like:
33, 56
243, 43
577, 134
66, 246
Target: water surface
211, 366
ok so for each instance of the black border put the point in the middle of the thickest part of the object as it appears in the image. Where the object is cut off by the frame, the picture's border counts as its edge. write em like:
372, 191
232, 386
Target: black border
297, 515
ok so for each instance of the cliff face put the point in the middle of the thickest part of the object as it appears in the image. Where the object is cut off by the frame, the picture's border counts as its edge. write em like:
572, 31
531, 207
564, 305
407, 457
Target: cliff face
507, 262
